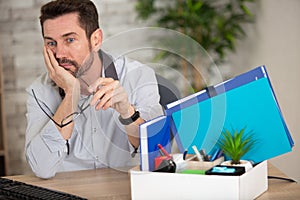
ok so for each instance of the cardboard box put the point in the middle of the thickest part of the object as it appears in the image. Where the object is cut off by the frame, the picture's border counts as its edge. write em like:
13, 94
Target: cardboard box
157, 185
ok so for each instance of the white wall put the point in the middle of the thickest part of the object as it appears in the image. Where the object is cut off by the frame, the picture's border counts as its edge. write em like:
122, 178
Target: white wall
274, 41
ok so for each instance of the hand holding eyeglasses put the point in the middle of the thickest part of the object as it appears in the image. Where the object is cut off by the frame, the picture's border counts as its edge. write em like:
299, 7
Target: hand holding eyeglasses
109, 93
105, 92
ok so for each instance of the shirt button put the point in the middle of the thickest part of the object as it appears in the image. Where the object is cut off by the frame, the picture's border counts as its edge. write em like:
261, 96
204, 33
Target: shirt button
97, 158
94, 130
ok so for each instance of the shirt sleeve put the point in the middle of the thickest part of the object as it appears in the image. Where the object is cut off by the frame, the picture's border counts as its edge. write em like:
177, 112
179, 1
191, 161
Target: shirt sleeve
143, 91
45, 148
141, 86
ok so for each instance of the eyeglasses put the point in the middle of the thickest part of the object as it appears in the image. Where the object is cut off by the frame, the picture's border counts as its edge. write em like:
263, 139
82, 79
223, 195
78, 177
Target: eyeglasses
68, 119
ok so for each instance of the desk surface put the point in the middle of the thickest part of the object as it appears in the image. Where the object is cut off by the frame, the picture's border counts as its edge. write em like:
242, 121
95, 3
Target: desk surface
112, 184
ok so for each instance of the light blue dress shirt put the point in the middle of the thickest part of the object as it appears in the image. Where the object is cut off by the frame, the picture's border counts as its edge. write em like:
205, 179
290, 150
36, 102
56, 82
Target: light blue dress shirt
98, 139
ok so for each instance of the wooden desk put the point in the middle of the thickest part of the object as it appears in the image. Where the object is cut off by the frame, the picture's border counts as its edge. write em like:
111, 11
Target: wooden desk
280, 189
112, 184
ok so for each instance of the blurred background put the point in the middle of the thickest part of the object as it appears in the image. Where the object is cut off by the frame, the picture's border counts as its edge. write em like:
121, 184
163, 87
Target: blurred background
269, 36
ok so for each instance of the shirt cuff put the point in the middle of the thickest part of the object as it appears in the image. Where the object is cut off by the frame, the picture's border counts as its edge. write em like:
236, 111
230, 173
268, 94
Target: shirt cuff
134, 150
52, 138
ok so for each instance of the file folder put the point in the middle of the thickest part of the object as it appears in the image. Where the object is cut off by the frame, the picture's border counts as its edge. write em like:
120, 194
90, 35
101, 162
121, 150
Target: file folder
245, 101
152, 133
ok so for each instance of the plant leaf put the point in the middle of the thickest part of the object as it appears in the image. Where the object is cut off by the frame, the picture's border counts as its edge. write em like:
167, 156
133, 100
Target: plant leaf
236, 144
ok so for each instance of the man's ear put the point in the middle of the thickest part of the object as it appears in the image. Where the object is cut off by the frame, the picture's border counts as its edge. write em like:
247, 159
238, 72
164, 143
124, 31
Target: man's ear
96, 39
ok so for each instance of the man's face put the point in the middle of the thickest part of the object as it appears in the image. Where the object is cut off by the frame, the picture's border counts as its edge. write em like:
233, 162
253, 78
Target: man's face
67, 40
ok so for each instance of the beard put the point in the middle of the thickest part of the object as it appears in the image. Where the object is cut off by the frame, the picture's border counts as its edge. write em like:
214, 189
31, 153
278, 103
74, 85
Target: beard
86, 65
80, 70
62, 61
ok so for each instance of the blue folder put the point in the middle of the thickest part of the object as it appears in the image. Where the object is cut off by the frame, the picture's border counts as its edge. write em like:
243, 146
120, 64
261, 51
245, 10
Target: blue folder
245, 101
152, 133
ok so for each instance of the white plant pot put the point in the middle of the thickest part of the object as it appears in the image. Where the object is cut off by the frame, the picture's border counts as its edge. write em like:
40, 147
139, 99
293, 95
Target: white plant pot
245, 163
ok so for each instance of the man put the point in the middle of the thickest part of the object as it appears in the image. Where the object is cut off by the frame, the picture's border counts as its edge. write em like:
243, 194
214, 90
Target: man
85, 111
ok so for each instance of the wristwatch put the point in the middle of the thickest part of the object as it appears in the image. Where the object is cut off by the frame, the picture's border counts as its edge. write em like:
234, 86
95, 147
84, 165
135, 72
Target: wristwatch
131, 119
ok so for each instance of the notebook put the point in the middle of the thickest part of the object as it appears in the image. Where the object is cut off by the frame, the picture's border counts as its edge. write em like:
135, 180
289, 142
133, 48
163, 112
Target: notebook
152, 133
247, 100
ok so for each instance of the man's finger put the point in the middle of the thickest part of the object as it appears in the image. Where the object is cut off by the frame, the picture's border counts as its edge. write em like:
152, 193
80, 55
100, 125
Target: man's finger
104, 100
52, 59
100, 92
99, 83
47, 60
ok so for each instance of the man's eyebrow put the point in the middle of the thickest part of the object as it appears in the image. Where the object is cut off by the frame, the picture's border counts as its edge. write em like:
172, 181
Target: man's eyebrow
68, 34
64, 35
48, 38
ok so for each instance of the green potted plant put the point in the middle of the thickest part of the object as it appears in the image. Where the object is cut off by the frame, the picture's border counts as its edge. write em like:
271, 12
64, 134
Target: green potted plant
215, 25
235, 145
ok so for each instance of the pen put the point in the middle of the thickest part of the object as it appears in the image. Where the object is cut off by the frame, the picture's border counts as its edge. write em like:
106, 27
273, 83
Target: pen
184, 154
191, 158
204, 155
197, 153
220, 153
214, 155
163, 151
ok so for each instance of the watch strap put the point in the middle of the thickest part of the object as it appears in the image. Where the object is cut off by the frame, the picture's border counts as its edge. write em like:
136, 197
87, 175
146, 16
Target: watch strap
131, 119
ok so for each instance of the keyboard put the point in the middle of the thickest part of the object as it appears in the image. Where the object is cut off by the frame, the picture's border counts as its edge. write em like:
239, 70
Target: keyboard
15, 190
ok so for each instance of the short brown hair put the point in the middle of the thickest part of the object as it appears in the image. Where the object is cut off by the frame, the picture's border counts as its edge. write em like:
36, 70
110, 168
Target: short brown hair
87, 12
